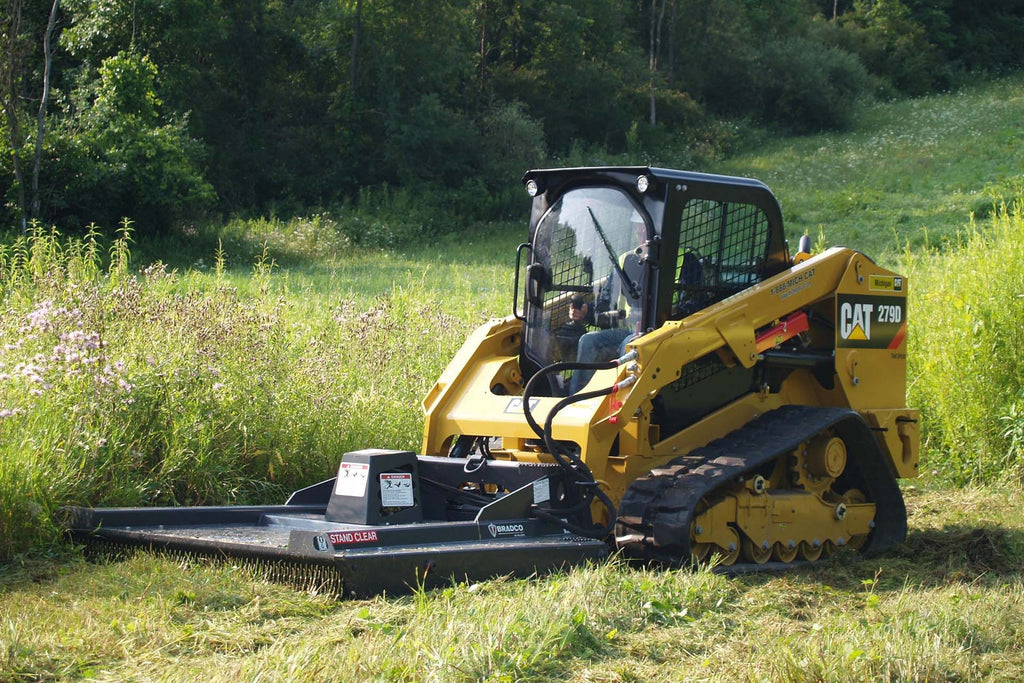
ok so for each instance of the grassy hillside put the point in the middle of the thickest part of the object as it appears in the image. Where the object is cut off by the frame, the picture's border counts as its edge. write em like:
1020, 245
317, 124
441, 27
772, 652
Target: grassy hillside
128, 382
909, 173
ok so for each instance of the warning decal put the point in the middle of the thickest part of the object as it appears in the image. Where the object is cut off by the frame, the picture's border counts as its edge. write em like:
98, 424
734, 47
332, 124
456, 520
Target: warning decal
870, 322
396, 490
352, 479
347, 537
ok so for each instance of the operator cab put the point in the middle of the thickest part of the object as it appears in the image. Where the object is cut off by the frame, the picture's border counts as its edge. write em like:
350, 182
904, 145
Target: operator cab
619, 251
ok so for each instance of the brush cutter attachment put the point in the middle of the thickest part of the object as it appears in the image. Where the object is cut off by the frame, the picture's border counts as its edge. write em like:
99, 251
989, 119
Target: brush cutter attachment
390, 522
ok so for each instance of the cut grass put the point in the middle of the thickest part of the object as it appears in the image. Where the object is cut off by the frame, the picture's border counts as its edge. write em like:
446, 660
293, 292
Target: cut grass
948, 605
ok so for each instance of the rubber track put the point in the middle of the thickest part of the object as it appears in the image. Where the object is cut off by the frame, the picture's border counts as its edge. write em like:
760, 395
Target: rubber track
656, 511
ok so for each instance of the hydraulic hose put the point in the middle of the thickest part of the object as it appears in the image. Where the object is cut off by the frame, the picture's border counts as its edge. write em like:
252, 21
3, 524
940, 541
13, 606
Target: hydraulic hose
561, 367
578, 469
578, 472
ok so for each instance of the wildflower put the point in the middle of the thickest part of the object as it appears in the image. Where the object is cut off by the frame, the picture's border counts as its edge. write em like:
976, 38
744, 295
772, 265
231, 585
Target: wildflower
33, 372
217, 386
39, 317
155, 271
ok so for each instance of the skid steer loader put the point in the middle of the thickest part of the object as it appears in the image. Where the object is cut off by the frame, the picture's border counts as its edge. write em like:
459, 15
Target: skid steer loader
671, 384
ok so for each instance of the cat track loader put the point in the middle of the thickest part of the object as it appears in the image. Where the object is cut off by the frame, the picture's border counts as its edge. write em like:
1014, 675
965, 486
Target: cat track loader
671, 384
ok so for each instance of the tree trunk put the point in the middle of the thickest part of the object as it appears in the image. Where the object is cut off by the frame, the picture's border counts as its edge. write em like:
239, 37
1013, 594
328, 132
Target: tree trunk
11, 68
656, 21
672, 45
482, 16
41, 119
353, 60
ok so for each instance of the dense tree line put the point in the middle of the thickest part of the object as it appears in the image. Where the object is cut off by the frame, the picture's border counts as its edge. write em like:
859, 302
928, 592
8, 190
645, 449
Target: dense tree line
161, 110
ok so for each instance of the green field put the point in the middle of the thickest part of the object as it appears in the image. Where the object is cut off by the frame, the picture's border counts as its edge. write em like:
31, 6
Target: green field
909, 173
238, 373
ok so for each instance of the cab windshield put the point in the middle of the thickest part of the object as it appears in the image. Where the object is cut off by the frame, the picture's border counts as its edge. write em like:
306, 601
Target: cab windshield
586, 273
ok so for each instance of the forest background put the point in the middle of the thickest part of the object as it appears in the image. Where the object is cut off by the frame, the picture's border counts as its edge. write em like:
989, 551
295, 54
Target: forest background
172, 113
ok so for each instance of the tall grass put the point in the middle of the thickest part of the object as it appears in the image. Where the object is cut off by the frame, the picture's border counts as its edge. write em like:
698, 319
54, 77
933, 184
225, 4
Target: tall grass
156, 387
168, 388
966, 350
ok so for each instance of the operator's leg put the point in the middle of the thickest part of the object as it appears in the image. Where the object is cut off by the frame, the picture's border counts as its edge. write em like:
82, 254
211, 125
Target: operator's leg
595, 347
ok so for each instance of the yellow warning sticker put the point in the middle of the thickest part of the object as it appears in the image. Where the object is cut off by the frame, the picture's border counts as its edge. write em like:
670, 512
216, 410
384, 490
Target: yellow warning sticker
885, 283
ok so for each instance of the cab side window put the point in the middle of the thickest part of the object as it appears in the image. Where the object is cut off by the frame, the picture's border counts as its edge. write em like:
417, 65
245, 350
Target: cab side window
723, 249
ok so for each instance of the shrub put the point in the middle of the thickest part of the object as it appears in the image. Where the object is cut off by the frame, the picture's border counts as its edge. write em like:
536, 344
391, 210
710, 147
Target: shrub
119, 158
895, 45
805, 86
432, 145
512, 143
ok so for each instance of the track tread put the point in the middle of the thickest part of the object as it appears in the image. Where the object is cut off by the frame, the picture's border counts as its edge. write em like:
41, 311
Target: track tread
656, 511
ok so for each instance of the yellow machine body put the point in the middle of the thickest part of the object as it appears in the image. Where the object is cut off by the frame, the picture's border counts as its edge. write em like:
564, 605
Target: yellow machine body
853, 315
870, 380
671, 384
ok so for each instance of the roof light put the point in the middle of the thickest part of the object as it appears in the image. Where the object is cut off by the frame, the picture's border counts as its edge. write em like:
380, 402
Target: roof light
642, 183
531, 188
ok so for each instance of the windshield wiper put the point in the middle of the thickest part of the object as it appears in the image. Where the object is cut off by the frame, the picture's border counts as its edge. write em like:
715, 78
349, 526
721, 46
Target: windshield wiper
634, 291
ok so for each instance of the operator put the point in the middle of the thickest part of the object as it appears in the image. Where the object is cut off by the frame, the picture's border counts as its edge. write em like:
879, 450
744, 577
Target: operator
607, 344
568, 334
578, 310
621, 320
